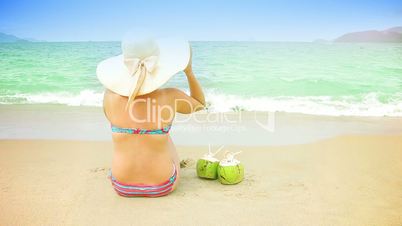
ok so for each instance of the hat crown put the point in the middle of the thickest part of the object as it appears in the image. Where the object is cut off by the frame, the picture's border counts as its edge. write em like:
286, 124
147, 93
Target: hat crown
136, 48
156, 59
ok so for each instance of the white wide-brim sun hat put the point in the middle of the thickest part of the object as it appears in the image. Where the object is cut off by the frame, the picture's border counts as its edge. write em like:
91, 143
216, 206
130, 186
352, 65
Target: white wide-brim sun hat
157, 59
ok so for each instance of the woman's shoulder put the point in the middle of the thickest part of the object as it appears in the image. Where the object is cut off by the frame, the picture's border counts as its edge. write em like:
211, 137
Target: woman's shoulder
167, 94
168, 90
171, 92
110, 94
158, 92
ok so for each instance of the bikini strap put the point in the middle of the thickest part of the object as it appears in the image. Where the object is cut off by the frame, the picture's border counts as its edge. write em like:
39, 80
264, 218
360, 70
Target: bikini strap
164, 130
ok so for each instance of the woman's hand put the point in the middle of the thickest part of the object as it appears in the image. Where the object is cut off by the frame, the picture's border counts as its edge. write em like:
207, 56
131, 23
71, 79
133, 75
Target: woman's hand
189, 67
196, 93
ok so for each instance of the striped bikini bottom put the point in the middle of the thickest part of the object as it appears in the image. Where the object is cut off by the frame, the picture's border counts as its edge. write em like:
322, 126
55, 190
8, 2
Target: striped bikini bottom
140, 190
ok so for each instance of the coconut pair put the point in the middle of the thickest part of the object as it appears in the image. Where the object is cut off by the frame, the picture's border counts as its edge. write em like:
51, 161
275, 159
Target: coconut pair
228, 170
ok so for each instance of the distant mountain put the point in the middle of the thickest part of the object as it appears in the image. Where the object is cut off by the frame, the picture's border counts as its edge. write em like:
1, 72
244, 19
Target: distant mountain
395, 29
10, 38
390, 35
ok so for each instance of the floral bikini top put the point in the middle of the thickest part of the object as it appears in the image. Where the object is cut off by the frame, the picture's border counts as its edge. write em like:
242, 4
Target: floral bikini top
163, 130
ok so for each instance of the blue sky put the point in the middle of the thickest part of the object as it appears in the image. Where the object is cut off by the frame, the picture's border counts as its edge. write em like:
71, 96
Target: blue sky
288, 20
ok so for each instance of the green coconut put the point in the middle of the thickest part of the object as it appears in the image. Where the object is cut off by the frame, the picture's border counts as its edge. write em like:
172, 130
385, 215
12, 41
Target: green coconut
207, 169
230, 170
207, 166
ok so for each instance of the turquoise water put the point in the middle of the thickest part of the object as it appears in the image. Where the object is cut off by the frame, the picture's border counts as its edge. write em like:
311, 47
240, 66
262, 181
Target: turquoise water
312, 78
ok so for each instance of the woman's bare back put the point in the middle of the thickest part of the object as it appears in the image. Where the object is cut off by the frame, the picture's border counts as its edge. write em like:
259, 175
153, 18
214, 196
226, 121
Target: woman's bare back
142, 158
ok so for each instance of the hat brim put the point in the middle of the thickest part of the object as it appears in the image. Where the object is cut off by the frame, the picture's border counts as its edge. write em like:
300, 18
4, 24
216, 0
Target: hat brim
174, 57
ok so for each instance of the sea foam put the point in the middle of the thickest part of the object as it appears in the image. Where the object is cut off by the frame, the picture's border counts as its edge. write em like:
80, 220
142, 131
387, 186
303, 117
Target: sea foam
84, 98
368, 105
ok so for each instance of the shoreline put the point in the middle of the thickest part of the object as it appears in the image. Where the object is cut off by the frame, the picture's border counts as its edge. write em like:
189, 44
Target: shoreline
59, 122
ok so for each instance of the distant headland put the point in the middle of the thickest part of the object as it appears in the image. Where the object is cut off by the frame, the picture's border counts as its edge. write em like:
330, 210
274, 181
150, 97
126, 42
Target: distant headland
12, 38
389, 35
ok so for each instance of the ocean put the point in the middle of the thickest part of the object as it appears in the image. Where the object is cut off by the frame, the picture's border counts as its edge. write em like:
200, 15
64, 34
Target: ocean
312, 78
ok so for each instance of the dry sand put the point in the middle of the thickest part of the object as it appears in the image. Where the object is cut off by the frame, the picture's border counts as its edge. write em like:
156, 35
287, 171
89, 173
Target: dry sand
347, 180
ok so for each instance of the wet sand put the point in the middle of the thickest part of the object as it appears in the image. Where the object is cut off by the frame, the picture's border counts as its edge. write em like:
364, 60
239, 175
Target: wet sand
58, 122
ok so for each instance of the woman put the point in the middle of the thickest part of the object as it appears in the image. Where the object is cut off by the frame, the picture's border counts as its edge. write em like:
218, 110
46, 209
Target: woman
145, 162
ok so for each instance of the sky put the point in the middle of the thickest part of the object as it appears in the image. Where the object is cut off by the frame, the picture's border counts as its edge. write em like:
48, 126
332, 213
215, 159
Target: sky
206, 20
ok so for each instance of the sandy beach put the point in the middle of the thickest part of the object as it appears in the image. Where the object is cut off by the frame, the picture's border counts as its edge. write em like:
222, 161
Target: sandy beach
347, 180
309, 170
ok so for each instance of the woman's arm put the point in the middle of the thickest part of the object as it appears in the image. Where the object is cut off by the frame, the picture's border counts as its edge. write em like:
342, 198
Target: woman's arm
196, 101
195, 88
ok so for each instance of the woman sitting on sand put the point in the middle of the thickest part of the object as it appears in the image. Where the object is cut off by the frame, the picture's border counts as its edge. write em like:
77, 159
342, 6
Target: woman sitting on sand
145, 162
